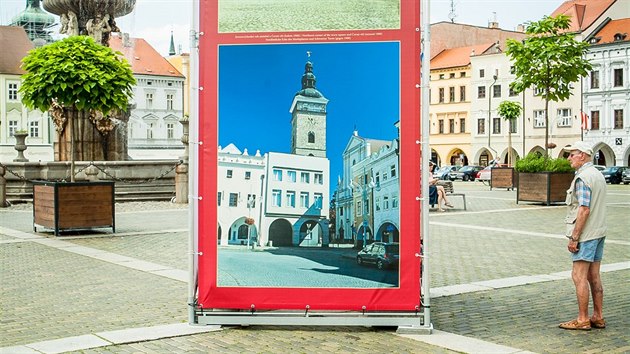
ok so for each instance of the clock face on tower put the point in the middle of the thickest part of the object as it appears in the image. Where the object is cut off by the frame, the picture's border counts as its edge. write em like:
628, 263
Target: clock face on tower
310, 121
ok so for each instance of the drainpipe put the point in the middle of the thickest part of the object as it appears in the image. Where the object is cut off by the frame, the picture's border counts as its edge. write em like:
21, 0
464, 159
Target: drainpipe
491, 88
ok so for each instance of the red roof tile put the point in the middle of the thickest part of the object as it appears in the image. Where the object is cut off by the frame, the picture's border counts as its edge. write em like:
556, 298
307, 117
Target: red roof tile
583, 12
144, 59
455, 57
612, 28
15, 45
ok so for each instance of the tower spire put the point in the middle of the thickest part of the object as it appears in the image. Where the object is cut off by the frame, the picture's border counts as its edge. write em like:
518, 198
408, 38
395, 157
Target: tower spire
171, 50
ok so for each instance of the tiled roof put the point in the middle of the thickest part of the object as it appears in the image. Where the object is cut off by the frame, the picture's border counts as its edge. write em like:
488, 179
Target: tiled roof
144, 59
583, 12
15, 45
455, 57
612, 28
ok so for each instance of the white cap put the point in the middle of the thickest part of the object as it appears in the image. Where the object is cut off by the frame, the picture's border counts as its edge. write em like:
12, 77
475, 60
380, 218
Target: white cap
581, 146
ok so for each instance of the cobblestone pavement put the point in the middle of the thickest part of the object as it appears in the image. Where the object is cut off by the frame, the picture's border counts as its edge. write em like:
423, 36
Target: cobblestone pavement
51, 290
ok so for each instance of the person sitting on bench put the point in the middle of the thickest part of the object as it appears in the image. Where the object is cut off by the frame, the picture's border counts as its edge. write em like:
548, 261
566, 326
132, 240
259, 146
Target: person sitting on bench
435, 189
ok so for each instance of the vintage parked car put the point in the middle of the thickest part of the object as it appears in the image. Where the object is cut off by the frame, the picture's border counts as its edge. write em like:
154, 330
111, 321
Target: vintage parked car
444, 171
466, 173
383, 254
626, 176
614, 174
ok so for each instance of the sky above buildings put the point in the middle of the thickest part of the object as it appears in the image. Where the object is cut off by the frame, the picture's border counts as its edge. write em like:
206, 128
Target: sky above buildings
154, 20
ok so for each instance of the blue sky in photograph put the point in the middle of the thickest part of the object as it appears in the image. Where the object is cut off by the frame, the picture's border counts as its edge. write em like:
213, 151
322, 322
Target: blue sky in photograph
257, 84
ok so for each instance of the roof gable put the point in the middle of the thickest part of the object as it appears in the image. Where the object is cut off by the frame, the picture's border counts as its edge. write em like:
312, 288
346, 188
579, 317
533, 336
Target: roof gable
612, 29
144, 59
457, 57
583, 13
15, 46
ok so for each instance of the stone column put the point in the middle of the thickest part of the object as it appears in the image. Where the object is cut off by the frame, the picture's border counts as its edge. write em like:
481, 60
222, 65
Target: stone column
181, 172
3, 188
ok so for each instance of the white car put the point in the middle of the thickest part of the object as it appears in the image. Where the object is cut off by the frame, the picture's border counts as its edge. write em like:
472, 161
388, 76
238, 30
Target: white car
484, 175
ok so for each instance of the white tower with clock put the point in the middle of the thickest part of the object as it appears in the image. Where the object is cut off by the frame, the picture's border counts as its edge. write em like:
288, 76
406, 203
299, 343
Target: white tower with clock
308, 117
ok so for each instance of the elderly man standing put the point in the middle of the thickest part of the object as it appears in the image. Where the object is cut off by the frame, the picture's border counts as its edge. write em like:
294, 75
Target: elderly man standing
586, 230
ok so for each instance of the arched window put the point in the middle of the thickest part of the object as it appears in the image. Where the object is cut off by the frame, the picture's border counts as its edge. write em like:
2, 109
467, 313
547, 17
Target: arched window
311, 137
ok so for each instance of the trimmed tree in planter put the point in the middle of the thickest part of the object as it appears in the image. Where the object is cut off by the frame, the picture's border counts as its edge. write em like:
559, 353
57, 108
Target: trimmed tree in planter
550, 60
77, 77
543, 179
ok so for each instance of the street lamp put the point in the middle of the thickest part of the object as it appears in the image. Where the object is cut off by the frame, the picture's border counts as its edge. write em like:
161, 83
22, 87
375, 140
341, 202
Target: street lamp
491, 88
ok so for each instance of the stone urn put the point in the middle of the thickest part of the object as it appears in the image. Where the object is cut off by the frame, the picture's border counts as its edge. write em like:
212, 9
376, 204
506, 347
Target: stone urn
20, 146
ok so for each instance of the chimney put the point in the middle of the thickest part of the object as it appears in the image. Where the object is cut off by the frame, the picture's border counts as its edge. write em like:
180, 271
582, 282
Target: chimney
520, 28
125, 40
493, 24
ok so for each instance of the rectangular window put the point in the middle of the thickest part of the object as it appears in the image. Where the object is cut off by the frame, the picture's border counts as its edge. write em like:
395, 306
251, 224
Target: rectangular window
251, 201
394, 201
618, 118
538, 91
291, 199
441, 95
618, 77
496, 125
482, 73
359, 210
377, 204
318, 178
513, 92
496, 91
304, 200
564, 117
276, 198
512, 69
481, 126
33, 128
385, 202
595, 79
228, 174
149, 101
233, 199
462, 125
481, 92
12, 91
277, 174
219, 198
451, 94
462, 74
367, 206
451, 126
594, 120
378, 178
539, 118
462, 93
291, 175
150, 131
170, 130
451, 75
13, 127
392, 171
513, 125
248, 175
441, 76
319, 198
305, 177
441, 126
169, 101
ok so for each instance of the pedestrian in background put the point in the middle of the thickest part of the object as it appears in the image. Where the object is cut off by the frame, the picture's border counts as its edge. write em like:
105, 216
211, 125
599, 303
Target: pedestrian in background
586, 230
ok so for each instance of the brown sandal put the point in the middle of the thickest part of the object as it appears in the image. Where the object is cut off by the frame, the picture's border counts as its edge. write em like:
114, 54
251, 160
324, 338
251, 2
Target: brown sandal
598, 323
574, 324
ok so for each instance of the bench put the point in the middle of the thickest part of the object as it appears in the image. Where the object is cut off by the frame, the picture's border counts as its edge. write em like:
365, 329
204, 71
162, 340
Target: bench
450, 192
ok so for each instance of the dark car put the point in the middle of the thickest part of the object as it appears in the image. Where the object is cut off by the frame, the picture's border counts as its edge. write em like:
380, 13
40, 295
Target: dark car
384, 255
444, 171
626, 176
466, 173
614, 174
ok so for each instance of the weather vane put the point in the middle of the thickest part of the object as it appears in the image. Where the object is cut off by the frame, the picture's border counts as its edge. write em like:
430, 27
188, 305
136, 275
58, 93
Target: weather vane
308, 53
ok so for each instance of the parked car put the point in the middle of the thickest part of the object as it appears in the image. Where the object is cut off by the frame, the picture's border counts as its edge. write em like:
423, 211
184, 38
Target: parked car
484, 175
613, 174
600, 167
626, 176
466, 173
443, 172
383, 254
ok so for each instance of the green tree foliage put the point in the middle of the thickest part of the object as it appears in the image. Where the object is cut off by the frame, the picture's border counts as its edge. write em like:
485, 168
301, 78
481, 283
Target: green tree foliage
76, 72
536, 162
549, 59
510, 111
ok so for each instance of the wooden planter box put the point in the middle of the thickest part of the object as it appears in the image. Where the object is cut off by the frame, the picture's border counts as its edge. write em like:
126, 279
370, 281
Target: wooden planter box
543, 187
503, 177
78, 205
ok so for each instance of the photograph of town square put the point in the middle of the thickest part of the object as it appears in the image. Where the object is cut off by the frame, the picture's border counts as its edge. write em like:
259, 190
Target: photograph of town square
308, 163
307, 15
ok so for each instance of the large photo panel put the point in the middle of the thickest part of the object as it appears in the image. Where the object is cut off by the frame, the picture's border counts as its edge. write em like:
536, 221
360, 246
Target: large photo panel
308, 168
